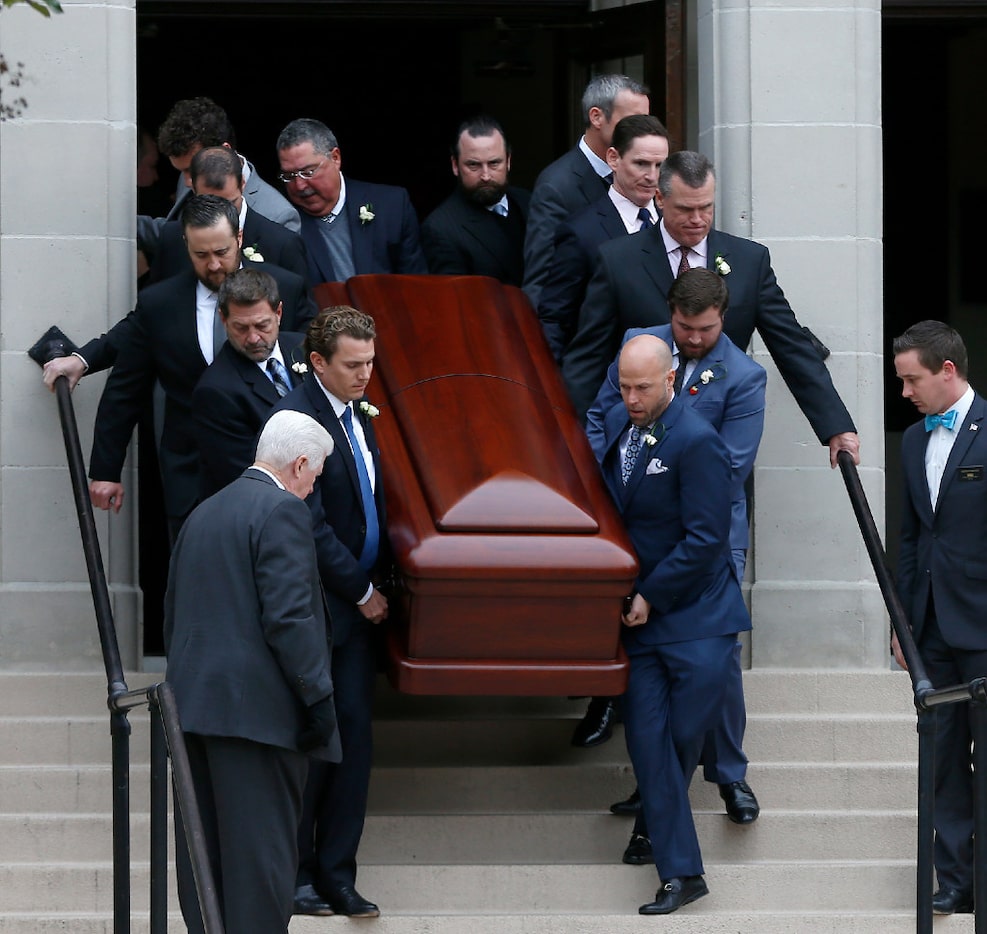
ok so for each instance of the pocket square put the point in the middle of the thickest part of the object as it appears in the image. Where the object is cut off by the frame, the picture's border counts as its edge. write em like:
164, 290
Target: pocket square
656, 466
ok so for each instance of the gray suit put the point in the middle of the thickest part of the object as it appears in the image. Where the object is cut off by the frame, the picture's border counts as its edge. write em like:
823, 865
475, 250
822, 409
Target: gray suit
247, 651
259, 195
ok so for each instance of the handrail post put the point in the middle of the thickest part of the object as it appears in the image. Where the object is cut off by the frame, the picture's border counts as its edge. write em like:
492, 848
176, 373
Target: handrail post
158, 825
925, 865
978, 726
120, 740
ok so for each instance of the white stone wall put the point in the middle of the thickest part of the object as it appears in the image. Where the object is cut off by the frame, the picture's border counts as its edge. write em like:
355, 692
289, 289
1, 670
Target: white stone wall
789, 110
67, 174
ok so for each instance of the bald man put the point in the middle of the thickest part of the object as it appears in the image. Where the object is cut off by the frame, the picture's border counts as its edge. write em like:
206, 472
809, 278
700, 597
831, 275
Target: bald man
669, 473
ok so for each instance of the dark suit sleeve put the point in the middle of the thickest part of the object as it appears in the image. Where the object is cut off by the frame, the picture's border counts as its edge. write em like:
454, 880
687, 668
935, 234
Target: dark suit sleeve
563, 290
548, 210
126, 393
909, 532
597, 336
409, 258
606, 399
704, 498
295, 637
743, 424
799, 363
225, 435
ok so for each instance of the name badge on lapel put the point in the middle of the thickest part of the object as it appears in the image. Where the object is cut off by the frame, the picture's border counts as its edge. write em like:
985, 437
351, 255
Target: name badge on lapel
970, 473
656, 466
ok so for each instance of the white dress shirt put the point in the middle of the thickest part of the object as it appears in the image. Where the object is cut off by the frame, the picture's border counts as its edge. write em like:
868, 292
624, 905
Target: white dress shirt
940, 445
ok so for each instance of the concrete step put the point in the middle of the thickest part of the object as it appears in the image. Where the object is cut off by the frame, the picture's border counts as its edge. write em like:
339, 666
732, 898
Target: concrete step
492, 839
693, 919
522, 888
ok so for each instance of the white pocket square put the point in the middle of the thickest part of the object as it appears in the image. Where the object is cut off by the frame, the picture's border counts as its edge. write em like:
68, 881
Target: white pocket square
656, 466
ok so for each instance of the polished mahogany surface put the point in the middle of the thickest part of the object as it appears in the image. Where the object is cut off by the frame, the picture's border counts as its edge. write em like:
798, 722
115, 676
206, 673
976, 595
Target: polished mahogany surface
511, 556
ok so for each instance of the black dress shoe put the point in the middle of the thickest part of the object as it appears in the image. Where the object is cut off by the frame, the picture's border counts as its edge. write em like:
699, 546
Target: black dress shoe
596, 727
346, 900
742, 806
949, 901
309, 902
629, 808
674, 894
638, 852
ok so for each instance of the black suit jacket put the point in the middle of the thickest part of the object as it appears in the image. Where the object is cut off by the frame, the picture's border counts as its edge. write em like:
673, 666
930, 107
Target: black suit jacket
388, 243
461, 238
246, 641
568, 185
577, 242
336, 506
275, 243
943, 552
629, 289
230, 405
158, 340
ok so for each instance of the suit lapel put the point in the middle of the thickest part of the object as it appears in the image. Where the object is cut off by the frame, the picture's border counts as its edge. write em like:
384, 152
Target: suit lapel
318, 255
716, 246
610, 220
966, 434
335, 428
361, 234
655, 258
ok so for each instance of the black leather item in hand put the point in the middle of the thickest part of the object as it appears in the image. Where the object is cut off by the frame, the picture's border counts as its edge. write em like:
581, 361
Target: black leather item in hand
320, 725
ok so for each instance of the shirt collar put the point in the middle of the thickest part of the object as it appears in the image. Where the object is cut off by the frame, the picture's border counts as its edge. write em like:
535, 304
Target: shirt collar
338, 406
699, 249
268, 473
599, 165
628, 210
275, 355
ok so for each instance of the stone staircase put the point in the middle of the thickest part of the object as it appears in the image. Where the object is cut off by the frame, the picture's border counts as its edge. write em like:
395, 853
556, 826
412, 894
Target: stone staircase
484, 819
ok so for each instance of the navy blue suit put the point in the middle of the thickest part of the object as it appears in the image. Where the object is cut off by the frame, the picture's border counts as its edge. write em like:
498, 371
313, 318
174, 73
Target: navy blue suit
577, 241
629, 289
942, 578
732, 401
388, 243
676, 507
336, 795
568, 185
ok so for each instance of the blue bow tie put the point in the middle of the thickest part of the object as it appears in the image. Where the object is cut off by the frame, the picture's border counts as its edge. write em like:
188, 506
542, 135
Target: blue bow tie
947, 420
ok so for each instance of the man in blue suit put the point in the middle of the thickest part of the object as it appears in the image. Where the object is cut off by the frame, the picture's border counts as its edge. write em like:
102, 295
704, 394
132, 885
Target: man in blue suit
669, 474
942, 572
349, 227
723, 385
637, 150
348, 521
577, 178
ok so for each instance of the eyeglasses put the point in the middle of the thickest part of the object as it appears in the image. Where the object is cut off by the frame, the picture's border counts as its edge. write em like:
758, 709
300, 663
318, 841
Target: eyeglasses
307, 172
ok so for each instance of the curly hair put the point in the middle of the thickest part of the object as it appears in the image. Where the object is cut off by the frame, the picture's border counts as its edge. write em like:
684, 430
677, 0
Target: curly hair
332, 323
197, 121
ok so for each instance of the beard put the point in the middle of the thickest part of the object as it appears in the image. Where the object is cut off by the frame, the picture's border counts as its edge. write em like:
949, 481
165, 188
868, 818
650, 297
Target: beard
485, 195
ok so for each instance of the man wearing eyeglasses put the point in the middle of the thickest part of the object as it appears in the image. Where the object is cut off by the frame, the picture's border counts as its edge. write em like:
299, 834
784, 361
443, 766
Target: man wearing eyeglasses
349, 227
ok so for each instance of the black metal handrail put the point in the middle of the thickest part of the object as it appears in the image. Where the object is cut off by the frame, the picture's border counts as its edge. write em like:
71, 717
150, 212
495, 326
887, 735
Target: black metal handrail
166, 733
927, 698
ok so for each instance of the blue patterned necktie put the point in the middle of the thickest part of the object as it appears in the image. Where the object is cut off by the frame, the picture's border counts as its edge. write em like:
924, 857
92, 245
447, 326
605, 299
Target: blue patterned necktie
279, 376
368, 557
630, 454
645, 218
947, 420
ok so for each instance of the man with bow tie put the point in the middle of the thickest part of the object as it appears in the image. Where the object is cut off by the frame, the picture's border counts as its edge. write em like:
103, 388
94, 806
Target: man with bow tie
942, 571
257, 366
669, 474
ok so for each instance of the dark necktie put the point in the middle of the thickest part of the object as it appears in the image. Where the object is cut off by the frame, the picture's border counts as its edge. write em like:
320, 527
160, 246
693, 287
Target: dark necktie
218, 333
645, 218
279, 376
607, 180
630, 454
371, 542
683, 260
679, 375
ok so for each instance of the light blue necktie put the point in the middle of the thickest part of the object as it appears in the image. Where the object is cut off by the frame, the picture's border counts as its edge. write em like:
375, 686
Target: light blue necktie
368, 557
644, 216
279, 376
500, 208
947, 420
630, 454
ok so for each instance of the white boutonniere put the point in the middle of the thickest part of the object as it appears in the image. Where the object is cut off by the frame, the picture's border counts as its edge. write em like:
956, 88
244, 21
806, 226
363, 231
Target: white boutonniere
299, 368
706, 376
656, 466
721, 265
251, 253
650, 440
366, 213
371, 411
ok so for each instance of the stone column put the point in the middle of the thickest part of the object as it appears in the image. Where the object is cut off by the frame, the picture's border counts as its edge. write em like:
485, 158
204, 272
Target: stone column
789, 110
67, 257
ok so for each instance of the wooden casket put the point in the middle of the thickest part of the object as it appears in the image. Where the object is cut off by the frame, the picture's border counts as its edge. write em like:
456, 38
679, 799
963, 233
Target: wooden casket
513, 562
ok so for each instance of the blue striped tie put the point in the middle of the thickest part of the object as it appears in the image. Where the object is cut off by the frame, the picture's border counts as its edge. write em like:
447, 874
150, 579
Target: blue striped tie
368, 557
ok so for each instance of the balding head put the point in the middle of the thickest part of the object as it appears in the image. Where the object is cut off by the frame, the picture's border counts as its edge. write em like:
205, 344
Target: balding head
646, 378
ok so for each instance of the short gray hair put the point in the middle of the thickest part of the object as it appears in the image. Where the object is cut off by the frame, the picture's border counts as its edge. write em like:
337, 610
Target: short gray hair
307, 130
602, 91
288, 435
